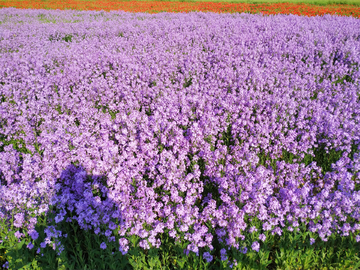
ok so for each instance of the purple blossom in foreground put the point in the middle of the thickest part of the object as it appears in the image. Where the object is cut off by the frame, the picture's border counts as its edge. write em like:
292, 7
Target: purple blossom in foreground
34, 234
18, 220
147, 108
252, 229
243, 250
255, 246
207, 256
30, 245
223, 254
6, 265
103, 245
123, 242
312, 241
262, 237
18, 234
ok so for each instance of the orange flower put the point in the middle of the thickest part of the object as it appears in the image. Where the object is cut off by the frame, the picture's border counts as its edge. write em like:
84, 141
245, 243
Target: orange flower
155, 7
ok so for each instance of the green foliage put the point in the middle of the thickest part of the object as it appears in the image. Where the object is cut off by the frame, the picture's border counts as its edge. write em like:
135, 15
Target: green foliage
290, 250
295, 252
187, 82
19, 256
59, 37
42, 18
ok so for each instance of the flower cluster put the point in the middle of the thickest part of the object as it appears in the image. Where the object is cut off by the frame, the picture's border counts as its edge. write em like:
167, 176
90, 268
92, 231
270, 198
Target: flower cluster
174, 6
186, 124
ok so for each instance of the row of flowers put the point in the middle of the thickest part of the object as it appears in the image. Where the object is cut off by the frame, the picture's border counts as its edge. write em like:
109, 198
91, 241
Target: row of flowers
158, 6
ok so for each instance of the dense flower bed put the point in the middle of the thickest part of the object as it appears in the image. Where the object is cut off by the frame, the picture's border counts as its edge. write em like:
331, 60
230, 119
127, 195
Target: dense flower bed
195, 124
155, 7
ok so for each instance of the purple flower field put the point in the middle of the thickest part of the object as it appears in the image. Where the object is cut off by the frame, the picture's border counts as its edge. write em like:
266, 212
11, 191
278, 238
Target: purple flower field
194, 124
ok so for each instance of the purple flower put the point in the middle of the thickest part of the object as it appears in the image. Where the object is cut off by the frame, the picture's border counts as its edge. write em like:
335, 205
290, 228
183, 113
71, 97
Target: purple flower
144, 244
262, 237
357, 238
123, 242
207, 256
111, 239
34, 234
312, 241
59, 218
103, 245
106, 218
6, 265
255, 246
266, 226
18, 234
30, 245
172, 233
112, 226
19, 219
223, 254
172, 113
252, 229
277, 230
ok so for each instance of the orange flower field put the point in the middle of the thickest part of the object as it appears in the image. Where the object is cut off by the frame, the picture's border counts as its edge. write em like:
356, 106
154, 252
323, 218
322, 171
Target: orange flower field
155, 7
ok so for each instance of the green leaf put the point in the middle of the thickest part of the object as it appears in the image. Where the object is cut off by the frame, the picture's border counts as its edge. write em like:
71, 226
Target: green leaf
20, 245
27, 266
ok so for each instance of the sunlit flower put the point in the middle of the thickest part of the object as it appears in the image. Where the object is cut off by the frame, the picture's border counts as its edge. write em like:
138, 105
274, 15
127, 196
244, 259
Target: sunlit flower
255, 246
